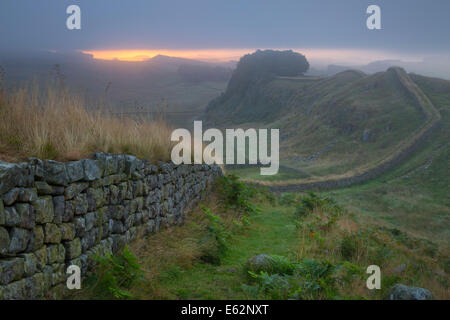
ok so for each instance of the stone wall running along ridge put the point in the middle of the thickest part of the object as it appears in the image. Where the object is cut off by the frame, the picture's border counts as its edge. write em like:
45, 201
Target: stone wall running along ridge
55, 214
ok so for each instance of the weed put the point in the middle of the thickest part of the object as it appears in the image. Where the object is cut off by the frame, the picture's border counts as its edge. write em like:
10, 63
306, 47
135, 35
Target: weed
115, 275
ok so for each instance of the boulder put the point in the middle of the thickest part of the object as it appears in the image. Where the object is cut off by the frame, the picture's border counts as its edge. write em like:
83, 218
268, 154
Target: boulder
403, 292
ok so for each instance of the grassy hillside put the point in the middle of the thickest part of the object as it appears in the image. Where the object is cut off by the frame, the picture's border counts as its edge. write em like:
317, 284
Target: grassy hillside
319, 249
337, 126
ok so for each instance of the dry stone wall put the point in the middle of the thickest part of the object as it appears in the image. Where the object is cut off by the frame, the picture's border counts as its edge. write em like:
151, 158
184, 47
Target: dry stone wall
55, 214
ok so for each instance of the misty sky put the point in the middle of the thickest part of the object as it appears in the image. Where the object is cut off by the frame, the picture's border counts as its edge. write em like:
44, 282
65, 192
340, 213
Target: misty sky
411, 28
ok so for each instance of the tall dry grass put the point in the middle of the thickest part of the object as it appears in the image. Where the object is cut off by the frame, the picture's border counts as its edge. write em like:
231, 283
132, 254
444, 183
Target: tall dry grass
52, 123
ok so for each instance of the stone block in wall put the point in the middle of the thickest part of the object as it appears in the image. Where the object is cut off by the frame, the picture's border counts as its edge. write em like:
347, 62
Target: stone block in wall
52, 233
69, 211
95, 198
55, 253
11, 196
90, 220
55, 173
10, 176
14, 291
75, 171
18, 240
118, 227
2, 213
4, 241
11, 269
26, 215
36, 239
80, 226
27, 195
81, 204
33, 286
67, 231
58, 274
43, 208
30, 265
92, 170
43, 188
59, 206
41, 257
73, 248
74, 189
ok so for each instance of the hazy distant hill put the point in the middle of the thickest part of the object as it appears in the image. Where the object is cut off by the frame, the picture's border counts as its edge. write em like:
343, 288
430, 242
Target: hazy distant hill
335, 126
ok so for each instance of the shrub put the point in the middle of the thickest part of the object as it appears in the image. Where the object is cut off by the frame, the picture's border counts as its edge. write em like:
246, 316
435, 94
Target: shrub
216, 239
236, 194
114, 275
312, 201
271, 264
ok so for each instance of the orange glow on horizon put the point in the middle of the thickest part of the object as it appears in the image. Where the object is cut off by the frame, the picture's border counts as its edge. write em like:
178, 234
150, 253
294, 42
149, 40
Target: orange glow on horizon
142, 55
330, 55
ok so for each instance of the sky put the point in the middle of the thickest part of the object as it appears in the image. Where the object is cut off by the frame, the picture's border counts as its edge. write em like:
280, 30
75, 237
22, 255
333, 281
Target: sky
219, 30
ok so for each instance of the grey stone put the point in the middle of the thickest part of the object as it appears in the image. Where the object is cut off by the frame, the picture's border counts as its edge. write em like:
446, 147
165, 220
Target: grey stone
69, 211
43, 208
30, 264
73, 248
92, 170
10, 175
28, 195
52, 233
67, 231
14, 290
75, 189
55, 253
75, 171
403, 292
43, 188
95, 198
26, 215
59, 206
11, 270
10, 197
18, 240
33, 287
2, 214
4, 241
41, 257
55, 173
81, 204
80, 226
12, 218
36, 239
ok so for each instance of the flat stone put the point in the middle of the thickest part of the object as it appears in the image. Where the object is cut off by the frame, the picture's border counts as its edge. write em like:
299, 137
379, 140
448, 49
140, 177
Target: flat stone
67, 231
43, 208
36, 239
55, 173
4, 241
75, 171
18, 240
59, 206
52, 233
92, 170
73, 248
26, 215
11, 270
11, 196
28, 195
